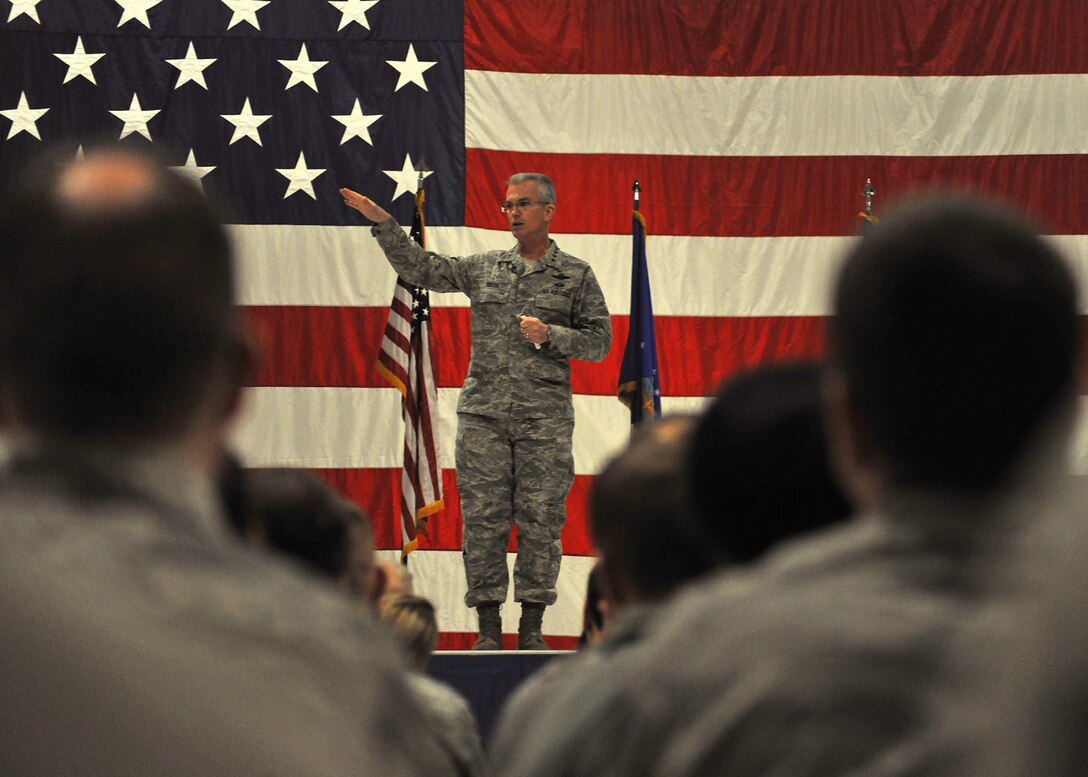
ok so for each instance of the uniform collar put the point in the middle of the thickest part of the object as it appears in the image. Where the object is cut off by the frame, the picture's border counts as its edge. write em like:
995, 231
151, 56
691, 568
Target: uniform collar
547, 260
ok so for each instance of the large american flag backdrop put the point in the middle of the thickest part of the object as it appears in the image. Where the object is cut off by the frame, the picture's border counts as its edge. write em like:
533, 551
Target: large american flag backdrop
752, 127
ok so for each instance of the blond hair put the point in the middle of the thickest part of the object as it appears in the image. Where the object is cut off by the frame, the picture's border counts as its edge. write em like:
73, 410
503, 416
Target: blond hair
411, 619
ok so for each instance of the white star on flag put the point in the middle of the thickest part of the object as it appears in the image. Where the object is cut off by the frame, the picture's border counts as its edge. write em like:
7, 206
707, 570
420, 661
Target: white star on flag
28, 7
407, 177
135, 119
136, 10
79, 62
357, 124
302, 69
192, 169
191, 68
353, 11
411, 69
300, 177
24, 118
246, 124
245, 11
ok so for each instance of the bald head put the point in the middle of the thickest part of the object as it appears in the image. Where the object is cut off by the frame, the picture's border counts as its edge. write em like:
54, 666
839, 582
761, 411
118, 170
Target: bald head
108, 181
116, 305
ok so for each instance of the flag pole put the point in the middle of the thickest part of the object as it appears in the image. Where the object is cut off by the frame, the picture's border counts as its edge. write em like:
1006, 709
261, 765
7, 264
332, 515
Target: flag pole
419, 198
405, 361
417, 217
866, 215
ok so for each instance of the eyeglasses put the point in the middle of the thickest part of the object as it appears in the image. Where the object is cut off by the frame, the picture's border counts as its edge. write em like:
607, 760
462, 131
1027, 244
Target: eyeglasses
509, 207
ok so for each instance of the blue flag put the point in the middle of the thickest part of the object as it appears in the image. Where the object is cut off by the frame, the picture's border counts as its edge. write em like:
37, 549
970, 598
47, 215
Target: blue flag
639, 385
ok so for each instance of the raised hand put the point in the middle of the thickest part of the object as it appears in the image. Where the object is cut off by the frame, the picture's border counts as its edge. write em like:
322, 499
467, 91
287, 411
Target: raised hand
364, 205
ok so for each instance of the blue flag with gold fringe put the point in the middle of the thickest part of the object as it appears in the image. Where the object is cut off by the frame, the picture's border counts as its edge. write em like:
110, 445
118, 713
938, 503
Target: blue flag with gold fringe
639, 383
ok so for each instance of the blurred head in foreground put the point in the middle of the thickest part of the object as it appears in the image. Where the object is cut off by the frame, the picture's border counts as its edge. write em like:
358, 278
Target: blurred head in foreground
759, 465
117, 317
953, 347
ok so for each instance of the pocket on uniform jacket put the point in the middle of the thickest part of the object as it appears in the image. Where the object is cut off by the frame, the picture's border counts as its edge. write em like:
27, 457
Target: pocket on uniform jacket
493, 294
553, 308
547, 369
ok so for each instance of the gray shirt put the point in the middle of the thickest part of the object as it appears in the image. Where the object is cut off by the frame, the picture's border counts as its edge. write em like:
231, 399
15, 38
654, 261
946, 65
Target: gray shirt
140, 639
825, 661
508, 376
454, 722
540, 698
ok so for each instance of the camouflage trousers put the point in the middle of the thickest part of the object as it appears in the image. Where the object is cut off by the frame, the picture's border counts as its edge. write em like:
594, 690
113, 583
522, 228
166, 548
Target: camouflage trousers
513, 472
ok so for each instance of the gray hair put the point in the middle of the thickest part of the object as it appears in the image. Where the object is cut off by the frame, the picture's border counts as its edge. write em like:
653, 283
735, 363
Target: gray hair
543, 182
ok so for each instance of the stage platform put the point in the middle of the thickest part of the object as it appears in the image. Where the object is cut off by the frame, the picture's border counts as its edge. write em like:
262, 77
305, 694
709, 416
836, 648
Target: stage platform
487, 677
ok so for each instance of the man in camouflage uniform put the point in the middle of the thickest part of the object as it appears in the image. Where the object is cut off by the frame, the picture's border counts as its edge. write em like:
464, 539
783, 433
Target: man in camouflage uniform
534, 308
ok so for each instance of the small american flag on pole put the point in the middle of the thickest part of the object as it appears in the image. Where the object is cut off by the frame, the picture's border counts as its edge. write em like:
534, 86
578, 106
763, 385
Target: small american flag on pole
405, 361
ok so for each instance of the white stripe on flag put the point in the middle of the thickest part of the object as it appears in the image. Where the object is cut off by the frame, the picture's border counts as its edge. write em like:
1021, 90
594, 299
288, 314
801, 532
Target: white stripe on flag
751, 276
778, 116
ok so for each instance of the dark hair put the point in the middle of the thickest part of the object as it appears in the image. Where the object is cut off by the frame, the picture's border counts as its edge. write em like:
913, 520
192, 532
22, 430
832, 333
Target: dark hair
639, 511
295, 513
592, 614
115, 308
956, 329
758, 461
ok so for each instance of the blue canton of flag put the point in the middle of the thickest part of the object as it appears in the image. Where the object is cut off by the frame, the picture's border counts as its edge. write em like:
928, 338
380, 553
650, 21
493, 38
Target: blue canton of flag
639, 383
421, 311
273, 104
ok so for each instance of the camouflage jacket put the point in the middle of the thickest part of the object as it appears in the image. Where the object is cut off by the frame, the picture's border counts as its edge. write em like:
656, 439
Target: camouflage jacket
508, 376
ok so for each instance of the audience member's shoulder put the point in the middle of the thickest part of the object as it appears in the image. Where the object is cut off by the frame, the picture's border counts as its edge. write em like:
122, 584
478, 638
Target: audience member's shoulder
140, 558
300, 686
456, 725
531, 699
540, 700
795, 561
820, 553
720, 622
442, 701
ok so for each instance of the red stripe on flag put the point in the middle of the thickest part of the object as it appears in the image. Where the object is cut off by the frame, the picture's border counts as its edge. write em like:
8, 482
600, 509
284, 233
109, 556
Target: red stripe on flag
695, 353
770, 196
816, 37
376, 491
463, 640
